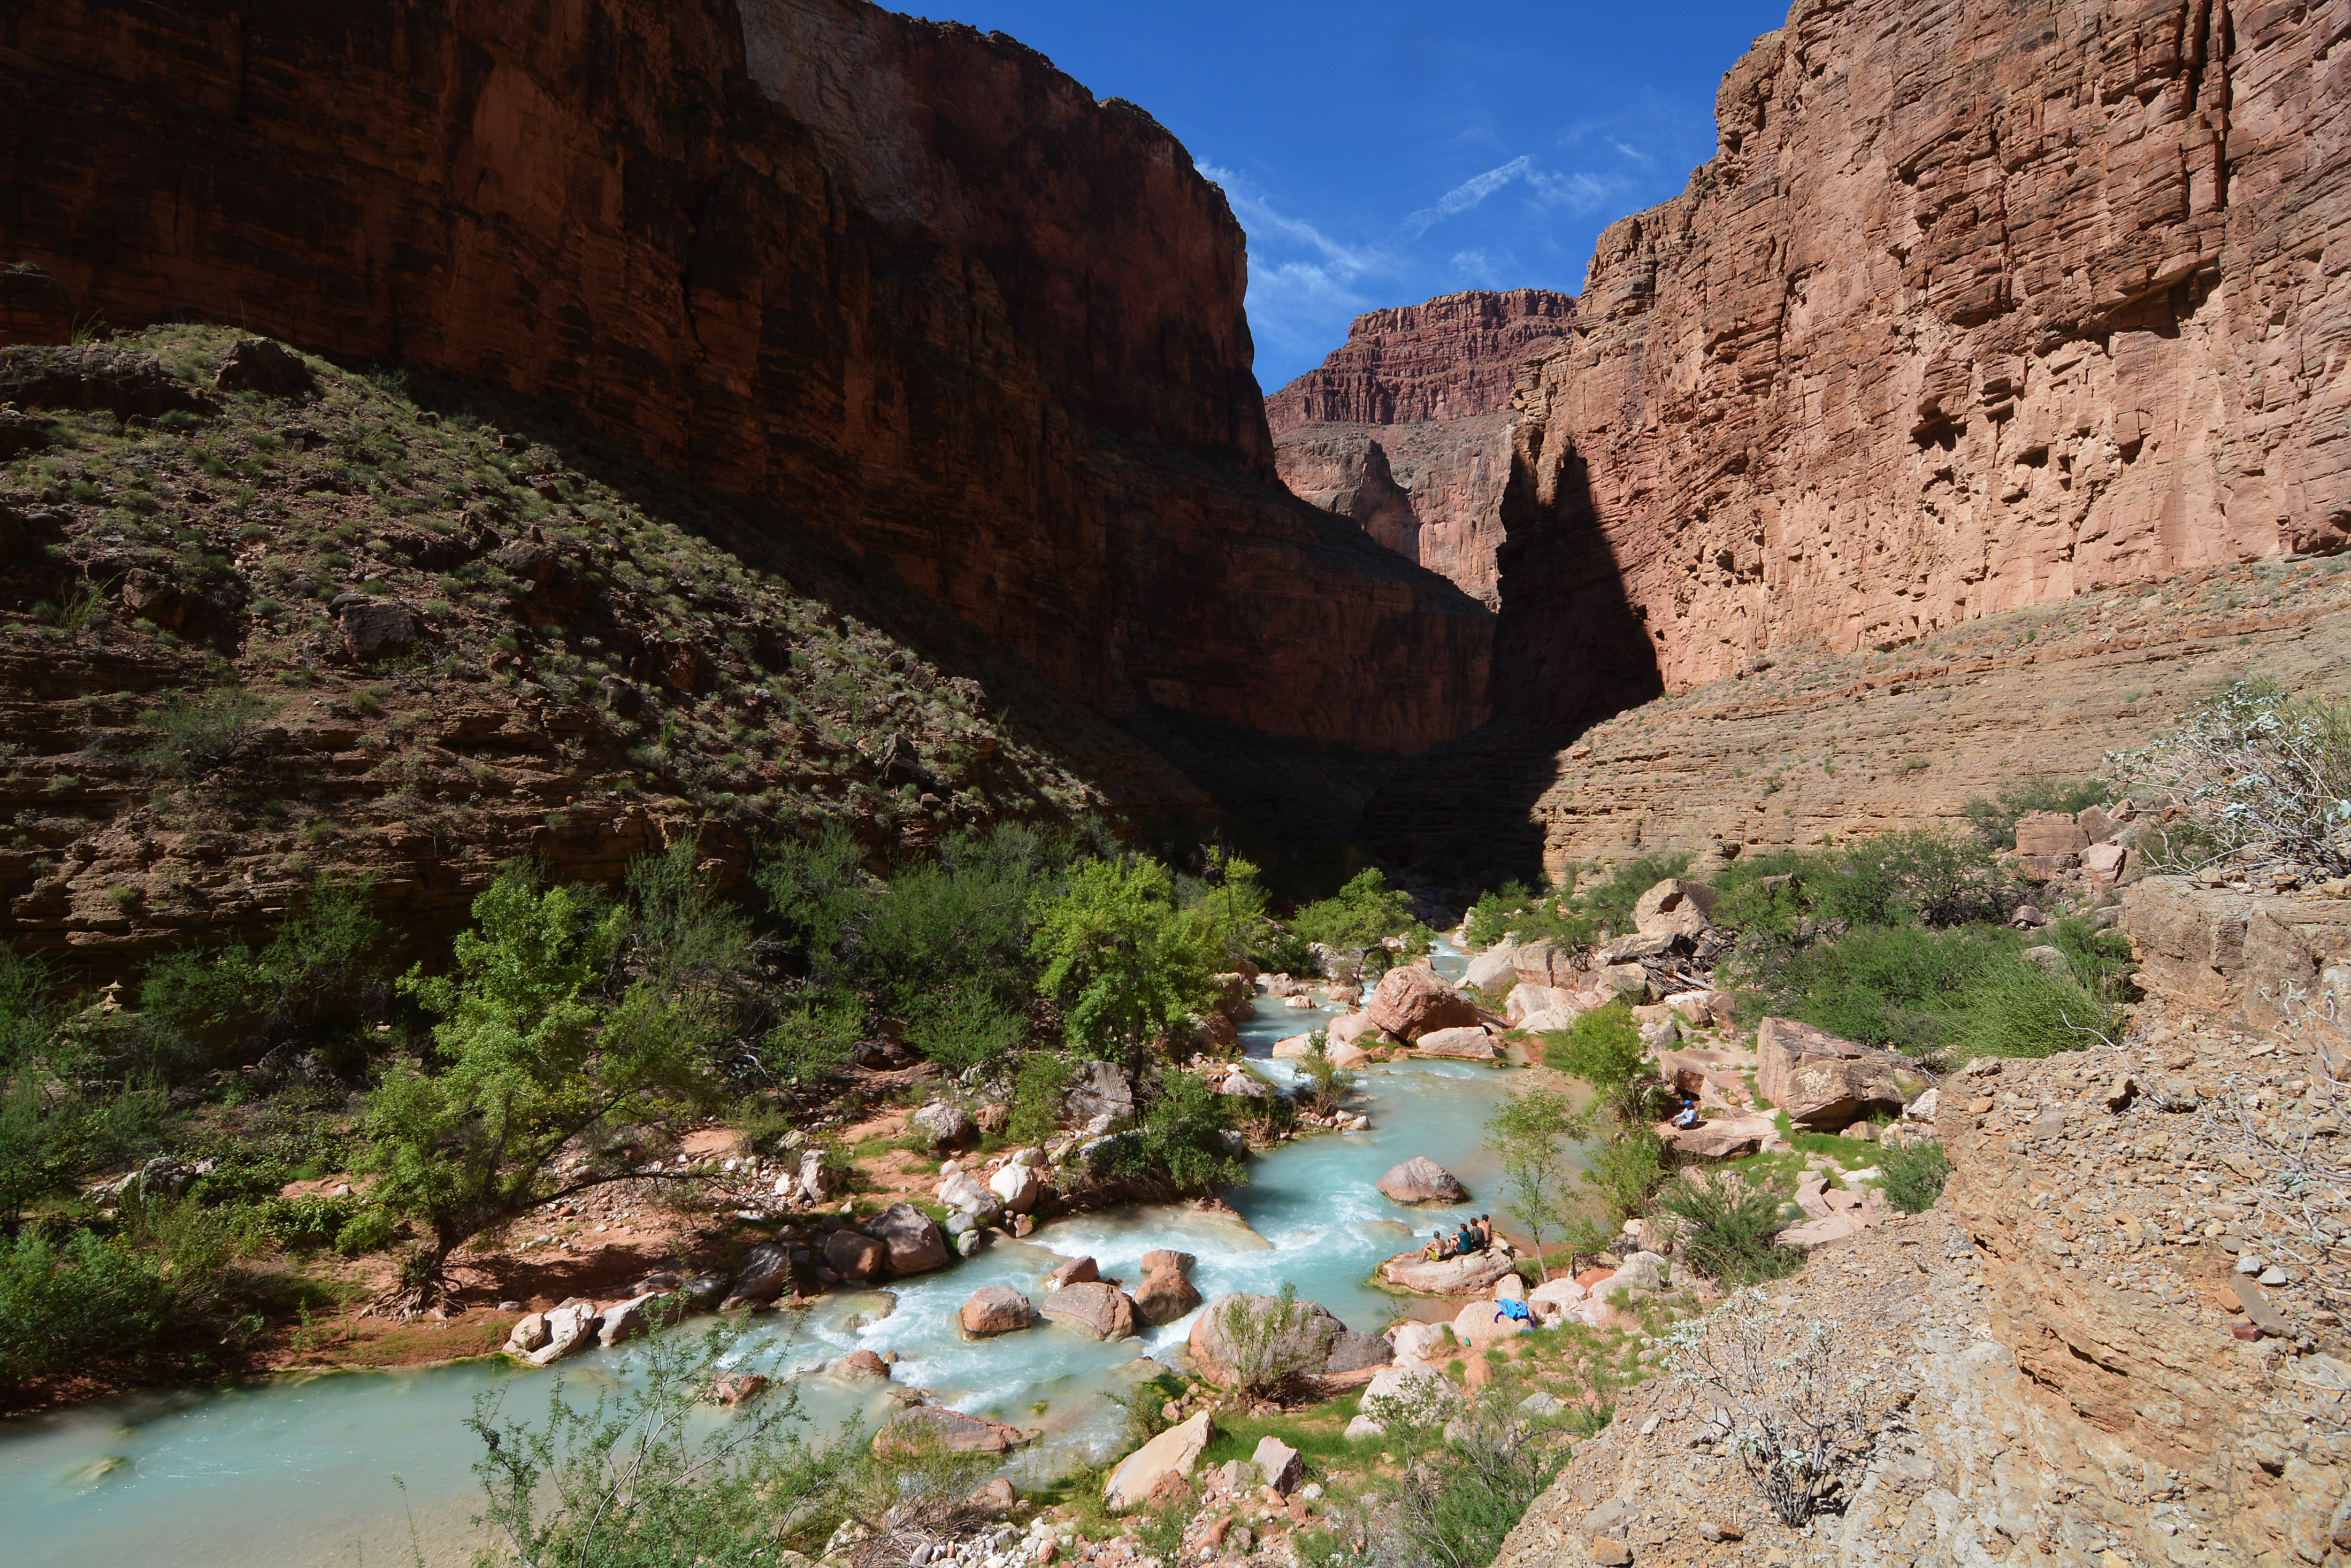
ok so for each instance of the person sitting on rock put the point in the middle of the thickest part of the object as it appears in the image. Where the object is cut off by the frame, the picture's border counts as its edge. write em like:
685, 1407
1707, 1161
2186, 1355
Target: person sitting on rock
1465, 1241
1687, 1116
1437, 1250
1484, 1226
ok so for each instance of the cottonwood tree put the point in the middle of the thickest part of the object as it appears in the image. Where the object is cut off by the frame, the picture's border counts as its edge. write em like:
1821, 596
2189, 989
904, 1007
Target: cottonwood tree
534, 1049
1533, 1135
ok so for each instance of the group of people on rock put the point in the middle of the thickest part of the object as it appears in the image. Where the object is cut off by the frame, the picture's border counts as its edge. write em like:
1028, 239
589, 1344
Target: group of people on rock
1473, 1236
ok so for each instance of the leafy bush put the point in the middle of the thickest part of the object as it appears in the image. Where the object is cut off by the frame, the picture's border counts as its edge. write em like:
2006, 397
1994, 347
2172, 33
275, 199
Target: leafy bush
67, 1103
2018, 1009
188, 737
1611, 903
1803, 1422
1274, 1343
1914, 1174
639, 1481
2263, 772
321, 974
1181, 1135
1533, 914
1038, 1085
1327, 1083
1900, 987
1125, 963
1362, 914
1733, 1229
77, 1307
1994, 821
1626, 1168
1469, 1468
1602, 1048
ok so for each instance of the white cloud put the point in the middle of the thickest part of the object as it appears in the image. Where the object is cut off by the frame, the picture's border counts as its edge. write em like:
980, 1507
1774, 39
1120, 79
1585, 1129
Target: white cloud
1463, 196
1475, 266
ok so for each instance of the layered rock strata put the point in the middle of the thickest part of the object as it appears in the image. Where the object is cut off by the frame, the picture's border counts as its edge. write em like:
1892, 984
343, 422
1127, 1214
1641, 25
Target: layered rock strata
903, 280
1816, 746
1406, 429
1975, 308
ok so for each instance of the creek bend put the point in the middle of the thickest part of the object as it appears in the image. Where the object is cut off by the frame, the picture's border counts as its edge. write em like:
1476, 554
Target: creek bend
298, 1472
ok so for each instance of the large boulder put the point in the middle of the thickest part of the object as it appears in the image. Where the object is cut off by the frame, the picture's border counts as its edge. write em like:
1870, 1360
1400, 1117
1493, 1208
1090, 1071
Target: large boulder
1354, 1351
919, 1427
1412, 1001
998, 1309
1642, 1270
1098, 1309
942, 1126
1628, 981
378, 629
1167, 1292
1302, 1341
1354, 1029
1072, 1272
529, 1334
966, 1191
1420, 1342
1019, 1186
1475, 1272
571, 1327
765, 1274
1493, 970
1155, 1473
916, 1245
1102, 1089
1421, 1180
1727, 1138
1825, 1083
1557, 1293
1470, 1045
258, 365
854, 1255
1482, 1323
2050, 832
1674, 907
1277, 1464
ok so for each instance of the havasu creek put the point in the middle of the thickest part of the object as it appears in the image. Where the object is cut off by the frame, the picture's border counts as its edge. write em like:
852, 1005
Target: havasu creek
298, 1468
867, 756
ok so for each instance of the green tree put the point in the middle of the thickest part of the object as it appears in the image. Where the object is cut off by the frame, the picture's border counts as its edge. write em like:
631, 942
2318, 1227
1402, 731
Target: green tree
1124, 962
1532, 1134
1362, 914
1604, 1049
531, 1053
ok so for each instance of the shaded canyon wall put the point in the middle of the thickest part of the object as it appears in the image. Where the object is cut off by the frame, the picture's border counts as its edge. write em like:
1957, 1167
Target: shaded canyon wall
1977, 307
904, 281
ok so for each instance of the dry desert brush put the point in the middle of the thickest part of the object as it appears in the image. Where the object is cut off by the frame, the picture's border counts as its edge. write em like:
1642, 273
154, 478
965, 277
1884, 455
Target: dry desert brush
2263, 771
1780, 1393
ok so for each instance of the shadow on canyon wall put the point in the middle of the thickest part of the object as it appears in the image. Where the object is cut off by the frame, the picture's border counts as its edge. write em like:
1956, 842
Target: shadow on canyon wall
1570, 650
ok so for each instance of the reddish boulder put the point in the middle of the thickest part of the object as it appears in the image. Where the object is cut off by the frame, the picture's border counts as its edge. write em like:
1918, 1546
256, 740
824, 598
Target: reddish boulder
998, 1309
1102, 1311
1412, 1001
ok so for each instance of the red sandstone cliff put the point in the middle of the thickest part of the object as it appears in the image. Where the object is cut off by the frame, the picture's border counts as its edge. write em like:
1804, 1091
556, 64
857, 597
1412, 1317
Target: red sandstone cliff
1976, 308
900, 280
1406, 429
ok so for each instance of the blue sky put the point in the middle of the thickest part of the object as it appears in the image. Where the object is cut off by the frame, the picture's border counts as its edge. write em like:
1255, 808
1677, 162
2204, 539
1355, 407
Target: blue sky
1380, 153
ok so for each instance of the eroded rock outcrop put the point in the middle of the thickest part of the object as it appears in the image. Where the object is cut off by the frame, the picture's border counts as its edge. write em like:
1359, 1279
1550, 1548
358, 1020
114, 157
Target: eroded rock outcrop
1973, 309
902, 279
1406, 429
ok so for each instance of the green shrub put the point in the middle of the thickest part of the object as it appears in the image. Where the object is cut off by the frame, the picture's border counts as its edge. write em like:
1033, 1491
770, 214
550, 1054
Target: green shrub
1901, 987
1533, 914
1602, 1048
1994, 820
1362, 914
1914, 1175
2263, 771
369, 1230
1611, 903
2019, 1009
75, 1308
1626, 1168
1122, 961
1038, 1085
190, 737
1181, 1136
321, 974
1733, 1229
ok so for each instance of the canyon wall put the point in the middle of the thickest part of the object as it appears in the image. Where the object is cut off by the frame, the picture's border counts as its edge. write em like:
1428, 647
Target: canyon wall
1976, 308
902, 281
1406, 429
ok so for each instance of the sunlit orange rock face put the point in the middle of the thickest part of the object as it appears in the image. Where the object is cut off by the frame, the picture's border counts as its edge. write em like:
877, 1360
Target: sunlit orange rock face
898, 280
1977, 307
1405, 427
